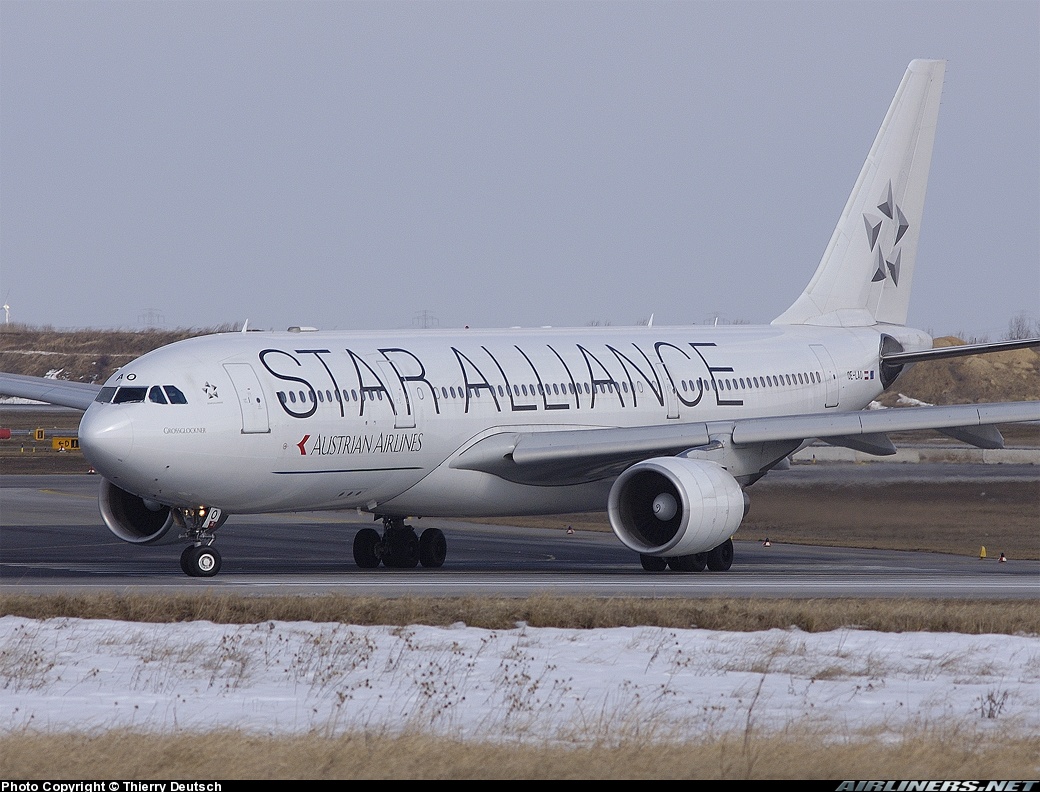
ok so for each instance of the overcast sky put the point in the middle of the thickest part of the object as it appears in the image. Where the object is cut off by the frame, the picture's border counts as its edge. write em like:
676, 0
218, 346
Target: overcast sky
365, 165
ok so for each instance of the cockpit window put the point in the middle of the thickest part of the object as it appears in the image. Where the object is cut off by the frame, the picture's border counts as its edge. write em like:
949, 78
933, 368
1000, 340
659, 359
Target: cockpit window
157, 394
127, 395
176, 397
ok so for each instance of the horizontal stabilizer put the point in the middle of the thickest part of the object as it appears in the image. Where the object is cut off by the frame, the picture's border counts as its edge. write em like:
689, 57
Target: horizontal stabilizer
960, 350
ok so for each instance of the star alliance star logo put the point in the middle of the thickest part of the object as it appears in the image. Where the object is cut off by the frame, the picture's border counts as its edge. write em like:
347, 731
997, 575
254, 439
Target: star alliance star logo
211, 391
887, 265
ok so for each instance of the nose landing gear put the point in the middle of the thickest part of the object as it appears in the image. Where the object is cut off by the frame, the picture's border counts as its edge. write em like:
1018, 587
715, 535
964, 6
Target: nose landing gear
399, 547
200, 558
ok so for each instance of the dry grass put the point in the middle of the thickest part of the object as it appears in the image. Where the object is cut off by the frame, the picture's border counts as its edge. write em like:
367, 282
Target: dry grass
955, 517
82, 355
811, 615
805, 750
800, 753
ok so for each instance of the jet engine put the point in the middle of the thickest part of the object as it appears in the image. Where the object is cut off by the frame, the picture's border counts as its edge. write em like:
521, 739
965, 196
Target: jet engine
135, 519
672, 506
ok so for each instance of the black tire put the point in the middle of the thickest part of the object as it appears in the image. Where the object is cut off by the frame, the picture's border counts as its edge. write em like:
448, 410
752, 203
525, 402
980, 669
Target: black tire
205, 561
653, 563
433, 548
365, 542
187, 561
687, 563
406, 551
720, 558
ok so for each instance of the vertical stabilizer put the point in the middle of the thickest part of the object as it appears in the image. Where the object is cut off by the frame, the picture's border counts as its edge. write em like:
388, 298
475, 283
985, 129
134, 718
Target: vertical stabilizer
866, 272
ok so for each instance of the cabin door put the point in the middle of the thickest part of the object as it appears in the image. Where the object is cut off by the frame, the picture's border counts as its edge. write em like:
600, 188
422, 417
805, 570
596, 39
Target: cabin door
250, 398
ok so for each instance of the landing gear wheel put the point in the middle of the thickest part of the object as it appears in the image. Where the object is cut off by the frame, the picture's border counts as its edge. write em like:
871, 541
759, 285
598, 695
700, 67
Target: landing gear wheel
653, 563
433, 548
688, 563
207, 562
720, 558
365, 542
200, 561
187, 560
404, 551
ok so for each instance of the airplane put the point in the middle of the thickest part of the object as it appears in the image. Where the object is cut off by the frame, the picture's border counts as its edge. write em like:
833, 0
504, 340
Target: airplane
664, 427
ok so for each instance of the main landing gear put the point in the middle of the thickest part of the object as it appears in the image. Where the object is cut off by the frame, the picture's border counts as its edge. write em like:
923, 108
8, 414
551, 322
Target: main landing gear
399, 547
200, 558
718, 559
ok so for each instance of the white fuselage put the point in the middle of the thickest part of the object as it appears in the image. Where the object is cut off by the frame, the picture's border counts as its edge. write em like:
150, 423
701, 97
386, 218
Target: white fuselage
295, 421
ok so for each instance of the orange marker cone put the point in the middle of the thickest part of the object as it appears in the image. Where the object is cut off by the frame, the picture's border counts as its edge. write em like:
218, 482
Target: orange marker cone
982, 552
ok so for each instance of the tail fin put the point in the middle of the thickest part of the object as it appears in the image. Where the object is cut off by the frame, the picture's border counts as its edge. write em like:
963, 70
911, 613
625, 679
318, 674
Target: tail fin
866, 272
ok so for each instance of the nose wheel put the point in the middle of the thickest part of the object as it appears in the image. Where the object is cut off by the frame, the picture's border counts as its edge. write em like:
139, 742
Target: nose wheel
200, 561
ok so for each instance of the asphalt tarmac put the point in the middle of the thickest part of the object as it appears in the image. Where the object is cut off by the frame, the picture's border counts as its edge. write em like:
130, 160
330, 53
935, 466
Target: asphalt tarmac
52, 540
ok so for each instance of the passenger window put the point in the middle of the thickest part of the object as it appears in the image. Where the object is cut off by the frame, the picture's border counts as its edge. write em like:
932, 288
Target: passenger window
156, 395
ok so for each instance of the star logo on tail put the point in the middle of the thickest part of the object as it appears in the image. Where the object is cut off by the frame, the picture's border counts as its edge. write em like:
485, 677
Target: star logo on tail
894, 222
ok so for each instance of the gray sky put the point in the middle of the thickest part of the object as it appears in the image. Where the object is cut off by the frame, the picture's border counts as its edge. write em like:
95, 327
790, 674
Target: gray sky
353, 165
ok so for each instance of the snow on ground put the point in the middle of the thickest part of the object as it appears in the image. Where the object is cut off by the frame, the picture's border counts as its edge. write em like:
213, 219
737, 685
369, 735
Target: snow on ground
521, 683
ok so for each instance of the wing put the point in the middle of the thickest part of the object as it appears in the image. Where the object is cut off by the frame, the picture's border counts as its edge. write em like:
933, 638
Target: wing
78, 395
580, 455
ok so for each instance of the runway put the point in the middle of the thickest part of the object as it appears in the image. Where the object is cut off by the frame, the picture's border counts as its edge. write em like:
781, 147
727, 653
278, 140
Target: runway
52, 540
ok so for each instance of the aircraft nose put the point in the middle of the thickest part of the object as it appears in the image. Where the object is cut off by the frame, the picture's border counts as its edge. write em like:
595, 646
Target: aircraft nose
106, 436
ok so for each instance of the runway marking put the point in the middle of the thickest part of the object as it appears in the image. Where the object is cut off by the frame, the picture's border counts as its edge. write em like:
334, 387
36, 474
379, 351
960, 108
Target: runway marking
67, 494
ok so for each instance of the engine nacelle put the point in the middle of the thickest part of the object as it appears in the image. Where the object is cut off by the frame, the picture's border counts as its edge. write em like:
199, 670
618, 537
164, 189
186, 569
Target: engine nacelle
134, 519
670, 506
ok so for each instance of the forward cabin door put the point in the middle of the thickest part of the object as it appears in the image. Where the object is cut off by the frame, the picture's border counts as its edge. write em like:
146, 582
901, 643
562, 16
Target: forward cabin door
250, 398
